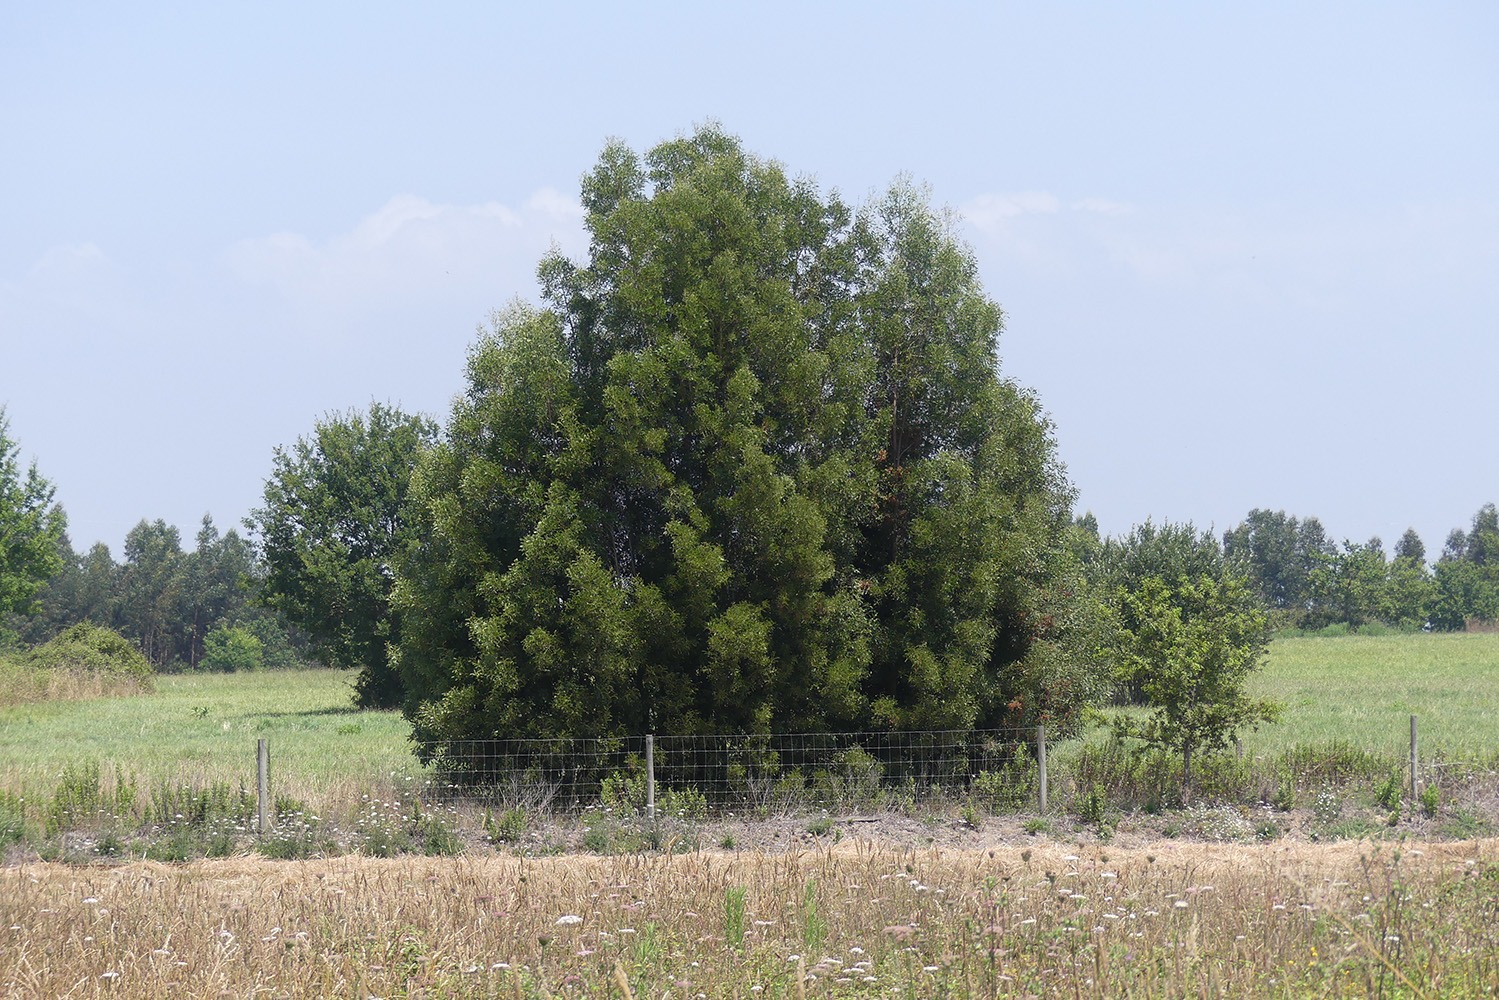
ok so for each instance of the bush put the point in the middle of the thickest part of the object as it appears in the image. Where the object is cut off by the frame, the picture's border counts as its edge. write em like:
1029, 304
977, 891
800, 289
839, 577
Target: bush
233, 648
90, 648
1335, 762
509, 827
191, 805
853, 780
83, 800
1094, 806
1010, 788
624, 793
1392, 791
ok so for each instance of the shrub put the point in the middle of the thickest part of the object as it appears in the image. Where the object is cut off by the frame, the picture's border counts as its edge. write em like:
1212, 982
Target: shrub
853, 780
90, 648
438, 839
1009, 788
1430, 798
1094, 806
228, 649
80, 799
1390, 793
508, 827
596, 840
1284, 797
625, 793
1335, 762
683, 803
183, 803
1149, 777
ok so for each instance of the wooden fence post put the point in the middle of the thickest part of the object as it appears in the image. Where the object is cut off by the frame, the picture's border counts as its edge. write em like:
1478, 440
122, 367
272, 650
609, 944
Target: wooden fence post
1414, 790
262, 785
1041, 761
650, 775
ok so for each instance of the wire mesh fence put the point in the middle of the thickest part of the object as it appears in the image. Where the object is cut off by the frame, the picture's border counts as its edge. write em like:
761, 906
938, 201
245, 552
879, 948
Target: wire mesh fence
692, 774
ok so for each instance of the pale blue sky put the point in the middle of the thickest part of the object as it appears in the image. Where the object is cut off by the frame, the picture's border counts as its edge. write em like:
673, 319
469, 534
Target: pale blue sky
1249, 253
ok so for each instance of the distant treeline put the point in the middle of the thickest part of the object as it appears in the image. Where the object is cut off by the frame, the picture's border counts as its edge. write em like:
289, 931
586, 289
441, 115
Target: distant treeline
1308, 582
205, 608
185, 610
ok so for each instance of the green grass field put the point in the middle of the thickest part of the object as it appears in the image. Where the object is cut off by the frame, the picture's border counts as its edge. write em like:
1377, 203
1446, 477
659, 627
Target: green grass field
199, 727
204, 727
1364, 690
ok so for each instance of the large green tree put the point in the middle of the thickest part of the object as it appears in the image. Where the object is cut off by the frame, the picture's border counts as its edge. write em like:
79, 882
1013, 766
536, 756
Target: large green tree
217, 578
751, 468
31, 529
329, 533
1171, 553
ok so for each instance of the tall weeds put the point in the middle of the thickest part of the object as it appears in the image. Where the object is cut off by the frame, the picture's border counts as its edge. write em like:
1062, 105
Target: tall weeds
1052, 921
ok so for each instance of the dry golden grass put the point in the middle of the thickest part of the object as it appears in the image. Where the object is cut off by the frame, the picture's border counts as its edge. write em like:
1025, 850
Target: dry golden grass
858, 920
23, 685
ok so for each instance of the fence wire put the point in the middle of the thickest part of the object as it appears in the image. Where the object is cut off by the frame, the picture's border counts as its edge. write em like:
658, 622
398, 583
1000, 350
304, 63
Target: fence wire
689, 774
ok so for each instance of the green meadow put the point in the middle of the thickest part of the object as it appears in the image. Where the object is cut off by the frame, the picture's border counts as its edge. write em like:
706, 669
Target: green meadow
205, 727
1356, 690
1363, 690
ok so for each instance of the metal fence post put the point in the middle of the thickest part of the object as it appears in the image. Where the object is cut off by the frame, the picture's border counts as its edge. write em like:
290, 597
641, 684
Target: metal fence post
262, 784
1041, 760
650, 775
1413, 759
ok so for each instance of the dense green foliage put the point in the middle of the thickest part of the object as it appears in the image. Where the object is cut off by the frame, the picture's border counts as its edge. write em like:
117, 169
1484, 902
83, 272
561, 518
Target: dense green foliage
165, 600
752, 468
90, 648
1467, 575
231, 648
30, 527
1190, 650
1280, 555
329, 531
1190, 632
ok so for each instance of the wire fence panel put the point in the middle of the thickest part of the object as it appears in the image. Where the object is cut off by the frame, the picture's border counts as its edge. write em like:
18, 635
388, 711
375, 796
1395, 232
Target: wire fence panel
999, 770
690, 774
537, 774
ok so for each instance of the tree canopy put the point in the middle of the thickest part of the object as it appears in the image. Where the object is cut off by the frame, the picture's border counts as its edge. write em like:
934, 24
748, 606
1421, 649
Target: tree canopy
1308, 582
330, 531
31, 529
751, 467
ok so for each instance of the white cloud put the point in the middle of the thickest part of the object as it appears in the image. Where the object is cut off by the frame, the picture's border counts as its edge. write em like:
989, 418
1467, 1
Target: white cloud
411, 249
71, 279
1102, 206
991, 211
550, 201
